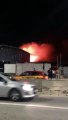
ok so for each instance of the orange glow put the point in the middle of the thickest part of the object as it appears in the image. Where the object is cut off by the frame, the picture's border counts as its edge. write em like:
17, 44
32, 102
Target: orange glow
39, 52
33, 58
29, 49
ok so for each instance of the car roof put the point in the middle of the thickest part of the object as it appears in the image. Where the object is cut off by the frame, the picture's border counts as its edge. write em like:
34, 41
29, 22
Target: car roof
35, 71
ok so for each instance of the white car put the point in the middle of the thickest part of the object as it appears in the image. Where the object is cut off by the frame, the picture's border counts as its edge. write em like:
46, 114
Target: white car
16, 90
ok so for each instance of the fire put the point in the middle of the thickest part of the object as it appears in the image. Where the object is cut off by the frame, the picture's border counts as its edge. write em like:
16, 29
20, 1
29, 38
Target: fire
39, 52
33, 58
28, 49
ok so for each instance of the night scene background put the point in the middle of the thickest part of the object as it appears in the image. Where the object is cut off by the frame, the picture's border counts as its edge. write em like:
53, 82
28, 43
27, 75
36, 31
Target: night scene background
40, 28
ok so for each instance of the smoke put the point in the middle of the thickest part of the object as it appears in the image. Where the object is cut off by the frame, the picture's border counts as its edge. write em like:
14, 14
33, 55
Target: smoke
39, 52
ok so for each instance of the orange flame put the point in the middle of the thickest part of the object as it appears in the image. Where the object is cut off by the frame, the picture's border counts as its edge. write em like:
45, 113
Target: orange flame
33, 58
39, 52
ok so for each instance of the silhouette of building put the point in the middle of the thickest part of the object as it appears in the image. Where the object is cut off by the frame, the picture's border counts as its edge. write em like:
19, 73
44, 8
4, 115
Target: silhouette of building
9, 54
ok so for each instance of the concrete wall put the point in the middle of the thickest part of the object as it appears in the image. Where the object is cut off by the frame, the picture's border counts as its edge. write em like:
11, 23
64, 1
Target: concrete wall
55, 84
51, 87
9, 68
32, 66
58, 87
22, 67
65, 72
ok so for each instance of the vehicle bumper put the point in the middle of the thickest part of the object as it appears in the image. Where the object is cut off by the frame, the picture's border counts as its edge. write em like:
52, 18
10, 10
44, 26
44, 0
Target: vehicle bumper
29, 94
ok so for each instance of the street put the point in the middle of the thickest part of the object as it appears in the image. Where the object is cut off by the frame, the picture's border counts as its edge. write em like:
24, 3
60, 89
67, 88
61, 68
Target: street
40, 108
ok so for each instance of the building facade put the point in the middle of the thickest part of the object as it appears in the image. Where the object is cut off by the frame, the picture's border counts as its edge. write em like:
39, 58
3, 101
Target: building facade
9, 54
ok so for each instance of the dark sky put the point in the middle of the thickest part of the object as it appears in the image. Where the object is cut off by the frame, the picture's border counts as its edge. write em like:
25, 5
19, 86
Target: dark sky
42, 21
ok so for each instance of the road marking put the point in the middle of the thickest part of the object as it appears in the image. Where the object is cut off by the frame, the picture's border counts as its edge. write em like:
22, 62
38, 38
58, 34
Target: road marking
34, 105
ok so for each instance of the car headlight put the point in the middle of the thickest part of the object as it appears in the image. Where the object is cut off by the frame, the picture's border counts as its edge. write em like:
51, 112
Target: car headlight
27, 87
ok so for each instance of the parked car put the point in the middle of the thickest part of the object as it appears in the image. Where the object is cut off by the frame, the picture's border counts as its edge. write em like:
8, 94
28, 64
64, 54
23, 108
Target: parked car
16, 90
31, 74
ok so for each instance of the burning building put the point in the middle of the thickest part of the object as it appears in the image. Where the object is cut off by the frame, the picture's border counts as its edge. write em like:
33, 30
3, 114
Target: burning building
39, 52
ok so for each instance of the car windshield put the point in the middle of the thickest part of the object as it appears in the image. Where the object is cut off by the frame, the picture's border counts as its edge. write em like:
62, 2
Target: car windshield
9, 77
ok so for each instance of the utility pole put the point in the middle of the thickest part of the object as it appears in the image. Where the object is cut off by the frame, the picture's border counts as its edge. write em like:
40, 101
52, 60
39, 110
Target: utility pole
57, 76
60, 59
57, 62
60, 66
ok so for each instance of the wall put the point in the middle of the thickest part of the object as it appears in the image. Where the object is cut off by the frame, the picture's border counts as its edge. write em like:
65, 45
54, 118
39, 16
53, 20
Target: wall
58, 87
9, 68
51, 87
65, 72
32, 66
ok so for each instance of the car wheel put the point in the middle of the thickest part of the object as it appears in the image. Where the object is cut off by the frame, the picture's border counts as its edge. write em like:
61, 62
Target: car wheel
14, 95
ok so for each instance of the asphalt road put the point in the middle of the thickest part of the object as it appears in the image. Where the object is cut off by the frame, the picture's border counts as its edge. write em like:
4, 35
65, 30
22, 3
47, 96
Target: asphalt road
41, 108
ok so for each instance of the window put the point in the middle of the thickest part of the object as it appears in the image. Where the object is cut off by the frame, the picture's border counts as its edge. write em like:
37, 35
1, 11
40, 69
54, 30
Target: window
1, 79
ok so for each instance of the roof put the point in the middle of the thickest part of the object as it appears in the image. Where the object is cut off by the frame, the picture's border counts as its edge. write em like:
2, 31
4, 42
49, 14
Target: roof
12, 47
